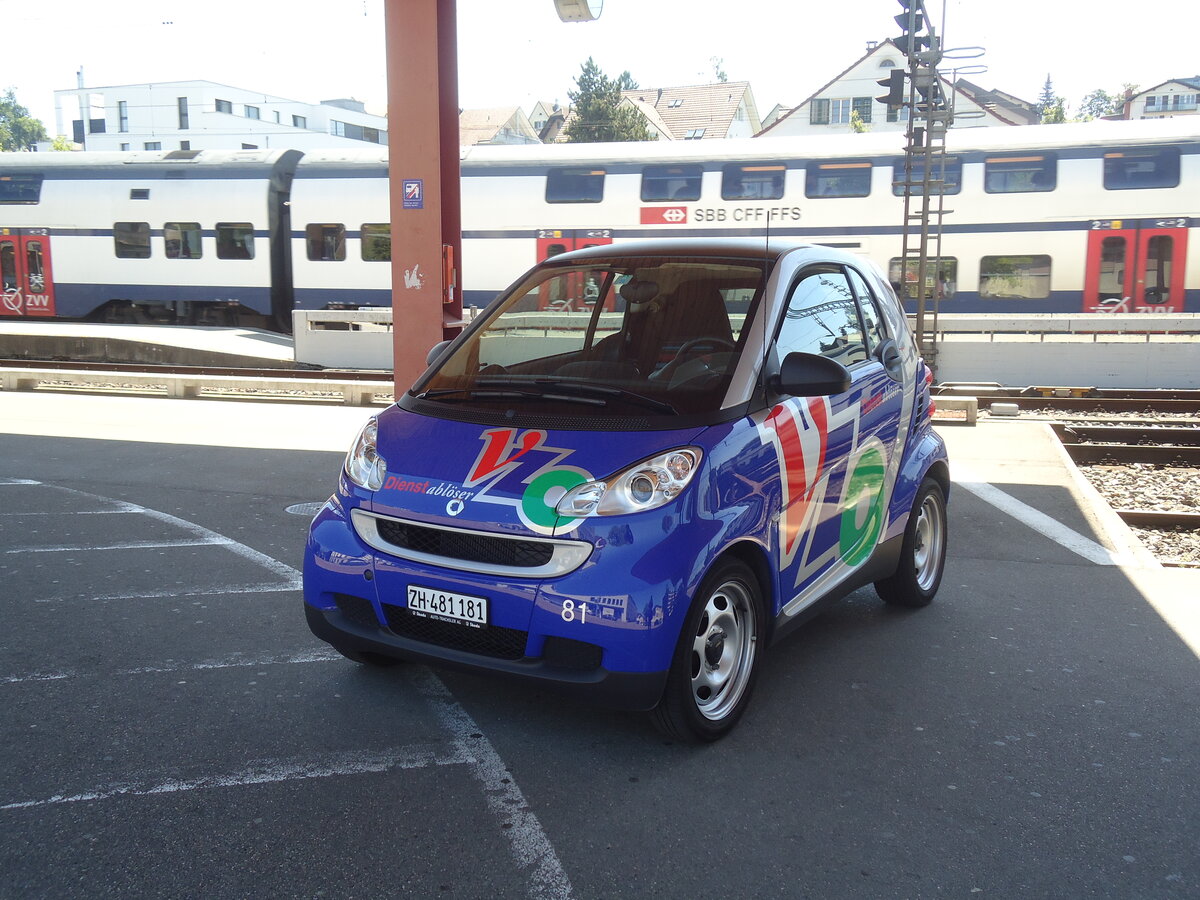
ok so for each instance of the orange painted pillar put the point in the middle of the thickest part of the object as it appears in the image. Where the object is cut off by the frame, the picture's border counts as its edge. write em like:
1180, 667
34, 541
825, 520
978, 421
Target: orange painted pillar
423, 169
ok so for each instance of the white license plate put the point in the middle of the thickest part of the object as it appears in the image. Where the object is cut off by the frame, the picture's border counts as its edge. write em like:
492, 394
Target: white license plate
446, 607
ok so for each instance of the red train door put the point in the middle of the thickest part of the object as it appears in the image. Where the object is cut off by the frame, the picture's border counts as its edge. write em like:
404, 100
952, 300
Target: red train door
572, 292
26, 284
1135, 266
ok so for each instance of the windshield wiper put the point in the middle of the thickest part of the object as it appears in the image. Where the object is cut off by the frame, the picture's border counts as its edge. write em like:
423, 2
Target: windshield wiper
548, 389
507, 391
605, 390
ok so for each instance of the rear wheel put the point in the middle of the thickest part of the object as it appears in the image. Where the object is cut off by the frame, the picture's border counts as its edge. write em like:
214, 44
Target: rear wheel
716, 661
923, 554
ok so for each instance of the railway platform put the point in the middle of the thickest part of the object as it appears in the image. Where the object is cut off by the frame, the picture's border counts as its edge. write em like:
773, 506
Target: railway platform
146, 344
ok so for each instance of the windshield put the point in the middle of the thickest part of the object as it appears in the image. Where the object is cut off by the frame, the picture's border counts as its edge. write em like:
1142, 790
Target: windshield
634, 336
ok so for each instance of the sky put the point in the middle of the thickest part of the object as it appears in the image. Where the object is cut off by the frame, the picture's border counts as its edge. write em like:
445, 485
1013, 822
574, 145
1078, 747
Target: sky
517, 52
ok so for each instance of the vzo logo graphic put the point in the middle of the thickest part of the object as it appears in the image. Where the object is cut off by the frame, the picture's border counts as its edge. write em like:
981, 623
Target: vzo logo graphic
506, 453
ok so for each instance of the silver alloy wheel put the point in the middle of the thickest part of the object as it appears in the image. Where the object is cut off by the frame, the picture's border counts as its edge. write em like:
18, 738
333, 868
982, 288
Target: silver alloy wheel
929, 538
723, 650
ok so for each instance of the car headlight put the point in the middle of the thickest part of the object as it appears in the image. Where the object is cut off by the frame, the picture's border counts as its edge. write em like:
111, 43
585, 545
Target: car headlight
364, 466
646, 485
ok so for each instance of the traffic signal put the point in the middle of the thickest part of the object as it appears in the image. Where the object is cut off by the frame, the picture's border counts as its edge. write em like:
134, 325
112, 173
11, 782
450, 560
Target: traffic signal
911, 22
894, 98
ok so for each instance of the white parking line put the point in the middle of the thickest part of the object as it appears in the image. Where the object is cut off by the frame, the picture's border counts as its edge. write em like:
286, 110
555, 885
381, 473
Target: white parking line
269, 771
130, 545
530, 847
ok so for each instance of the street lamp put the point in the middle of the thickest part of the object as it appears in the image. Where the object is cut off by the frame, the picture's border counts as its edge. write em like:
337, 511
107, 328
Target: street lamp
578, 10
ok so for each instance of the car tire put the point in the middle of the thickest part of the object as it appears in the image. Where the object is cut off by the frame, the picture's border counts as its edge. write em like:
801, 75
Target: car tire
717, 658
923, 553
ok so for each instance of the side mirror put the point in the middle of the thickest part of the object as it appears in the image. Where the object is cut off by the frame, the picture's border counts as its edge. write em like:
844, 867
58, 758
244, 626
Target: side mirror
889, 355
809, 375
436, 352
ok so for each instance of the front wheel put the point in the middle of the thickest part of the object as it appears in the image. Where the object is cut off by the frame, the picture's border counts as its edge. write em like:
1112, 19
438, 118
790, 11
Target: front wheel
716, 661
923, 554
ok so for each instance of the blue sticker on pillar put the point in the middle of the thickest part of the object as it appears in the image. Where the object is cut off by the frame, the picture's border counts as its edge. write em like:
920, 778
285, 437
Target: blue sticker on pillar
414, 193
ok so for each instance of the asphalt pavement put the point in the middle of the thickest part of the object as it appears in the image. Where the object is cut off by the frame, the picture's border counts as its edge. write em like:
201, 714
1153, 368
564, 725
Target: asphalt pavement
171, 728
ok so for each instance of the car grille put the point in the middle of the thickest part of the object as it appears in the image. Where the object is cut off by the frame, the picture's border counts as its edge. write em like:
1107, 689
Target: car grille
498, 643
462, 546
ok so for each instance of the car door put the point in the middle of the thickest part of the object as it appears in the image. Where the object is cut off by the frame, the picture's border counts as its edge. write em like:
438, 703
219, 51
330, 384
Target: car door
834, 451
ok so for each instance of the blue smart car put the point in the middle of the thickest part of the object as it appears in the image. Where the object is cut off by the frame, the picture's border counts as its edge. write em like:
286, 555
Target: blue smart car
636, 470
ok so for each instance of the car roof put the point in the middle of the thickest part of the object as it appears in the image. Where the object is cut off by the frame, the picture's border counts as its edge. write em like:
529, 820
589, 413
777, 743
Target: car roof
734, 247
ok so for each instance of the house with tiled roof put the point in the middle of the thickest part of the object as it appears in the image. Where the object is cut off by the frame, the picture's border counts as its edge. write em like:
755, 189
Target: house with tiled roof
831, 108
699, 112
500, 125
1177, 97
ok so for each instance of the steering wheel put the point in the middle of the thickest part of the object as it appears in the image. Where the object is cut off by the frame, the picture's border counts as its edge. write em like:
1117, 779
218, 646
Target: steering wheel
688, 350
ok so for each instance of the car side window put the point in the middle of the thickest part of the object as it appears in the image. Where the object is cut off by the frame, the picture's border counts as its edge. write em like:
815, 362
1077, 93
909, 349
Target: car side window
822, 318
875, 331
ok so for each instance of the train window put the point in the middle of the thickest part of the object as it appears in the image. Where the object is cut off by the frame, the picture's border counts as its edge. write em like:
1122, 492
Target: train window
326, 242
377, 242
1159, 250
1014, 277
942, 273
182, 240
671, 183
235, 240
8, 266
1020, 174
1149, 167
131, 240
575, 185
822, 317
843, 178
20, 188
950, 175
762, 181
139, 193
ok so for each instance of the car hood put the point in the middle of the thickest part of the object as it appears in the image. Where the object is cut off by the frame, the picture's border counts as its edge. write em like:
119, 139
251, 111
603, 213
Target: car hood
498, 477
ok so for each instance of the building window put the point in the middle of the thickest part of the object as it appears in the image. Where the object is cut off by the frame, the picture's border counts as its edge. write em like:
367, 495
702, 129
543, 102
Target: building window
139, 193
1150, 167
299, 122
1020, 174
182, 104
122, 115
1014, 277
326, 242
818, 113
898, 115
862, 106
124, 146
20, 188
377, 242
840, 178
152, 145
752, 182
235, 240
674, 104
251, 112
694, 134
575, 185
839, 112
224, 106
660, 183
181, 240
185, 145
278, 118
131, 240
249, 146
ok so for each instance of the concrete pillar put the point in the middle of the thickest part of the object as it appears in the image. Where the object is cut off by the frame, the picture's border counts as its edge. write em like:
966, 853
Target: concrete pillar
422, 67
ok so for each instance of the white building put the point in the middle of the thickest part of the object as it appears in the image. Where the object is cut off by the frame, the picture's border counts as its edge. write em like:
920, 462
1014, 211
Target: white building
830, 109
1177, 97
205, 115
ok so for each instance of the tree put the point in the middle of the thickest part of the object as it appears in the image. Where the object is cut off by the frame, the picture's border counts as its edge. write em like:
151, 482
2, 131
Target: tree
1100, 103
1055, 112
1047, 98
718, 65
600, 115
18, 130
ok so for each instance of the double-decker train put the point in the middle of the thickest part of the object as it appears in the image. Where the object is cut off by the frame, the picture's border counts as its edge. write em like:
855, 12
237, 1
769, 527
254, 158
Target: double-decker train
1072, 218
